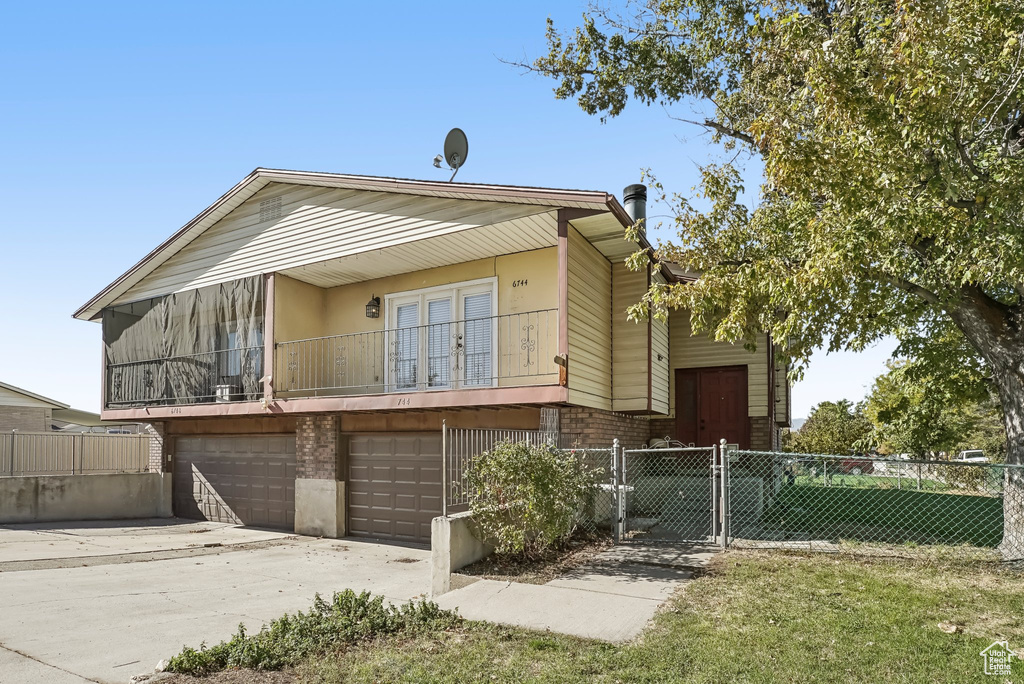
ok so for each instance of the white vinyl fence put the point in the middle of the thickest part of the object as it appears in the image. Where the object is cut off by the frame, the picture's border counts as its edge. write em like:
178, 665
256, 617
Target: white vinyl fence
66, 453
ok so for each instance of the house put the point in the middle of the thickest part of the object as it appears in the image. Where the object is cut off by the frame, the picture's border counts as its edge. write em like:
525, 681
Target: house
299, 343
27, 411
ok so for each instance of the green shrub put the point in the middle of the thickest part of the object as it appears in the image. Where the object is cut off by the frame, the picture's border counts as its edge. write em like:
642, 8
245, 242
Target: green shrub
347, 618
526, 498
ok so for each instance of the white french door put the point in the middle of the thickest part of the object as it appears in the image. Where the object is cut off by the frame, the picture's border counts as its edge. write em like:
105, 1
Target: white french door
442, 338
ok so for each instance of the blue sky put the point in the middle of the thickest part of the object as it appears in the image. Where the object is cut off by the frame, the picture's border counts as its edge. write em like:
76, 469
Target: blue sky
121, 121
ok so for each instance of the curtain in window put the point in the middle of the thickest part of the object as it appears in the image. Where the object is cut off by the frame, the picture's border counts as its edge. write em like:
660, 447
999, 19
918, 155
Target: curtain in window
176, 349
477, 343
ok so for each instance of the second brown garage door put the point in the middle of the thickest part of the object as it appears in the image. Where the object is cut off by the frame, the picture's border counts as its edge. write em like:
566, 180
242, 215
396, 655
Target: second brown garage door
394, 485
247, 480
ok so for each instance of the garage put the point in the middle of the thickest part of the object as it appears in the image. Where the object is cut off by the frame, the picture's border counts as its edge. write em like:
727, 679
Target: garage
394, 485
240, 479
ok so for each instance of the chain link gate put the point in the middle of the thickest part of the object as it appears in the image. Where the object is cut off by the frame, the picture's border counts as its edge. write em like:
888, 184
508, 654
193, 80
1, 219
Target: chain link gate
672, 494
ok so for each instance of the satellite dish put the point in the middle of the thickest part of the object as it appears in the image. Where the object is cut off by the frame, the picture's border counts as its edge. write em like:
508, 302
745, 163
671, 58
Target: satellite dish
456, 149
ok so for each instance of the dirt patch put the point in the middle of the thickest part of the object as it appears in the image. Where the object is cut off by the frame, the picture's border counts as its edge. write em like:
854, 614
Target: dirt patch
541, 570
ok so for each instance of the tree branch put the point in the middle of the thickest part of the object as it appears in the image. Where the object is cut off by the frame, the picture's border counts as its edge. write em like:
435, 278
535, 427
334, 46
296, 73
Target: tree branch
720, 128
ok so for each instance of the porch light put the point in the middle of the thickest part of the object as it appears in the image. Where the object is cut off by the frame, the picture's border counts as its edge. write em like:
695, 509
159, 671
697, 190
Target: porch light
373, 307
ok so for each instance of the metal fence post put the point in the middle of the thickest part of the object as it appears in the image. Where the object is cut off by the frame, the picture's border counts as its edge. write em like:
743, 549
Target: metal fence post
444, 468
618, 491
715, 493
726, 513
13, 433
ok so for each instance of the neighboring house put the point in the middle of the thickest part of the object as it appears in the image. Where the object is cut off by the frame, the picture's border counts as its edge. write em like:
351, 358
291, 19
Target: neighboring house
26, 411
299, 343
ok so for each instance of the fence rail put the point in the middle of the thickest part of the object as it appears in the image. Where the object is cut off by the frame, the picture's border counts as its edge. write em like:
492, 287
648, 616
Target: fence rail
514, 349
62, 453
872, 505
775, 500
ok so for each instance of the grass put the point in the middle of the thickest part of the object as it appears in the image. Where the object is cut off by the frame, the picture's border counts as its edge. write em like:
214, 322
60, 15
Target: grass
887, 515
755, 617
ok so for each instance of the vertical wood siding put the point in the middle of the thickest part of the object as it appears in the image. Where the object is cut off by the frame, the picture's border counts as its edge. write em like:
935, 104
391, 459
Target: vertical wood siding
629, 342
590, 315
686, 351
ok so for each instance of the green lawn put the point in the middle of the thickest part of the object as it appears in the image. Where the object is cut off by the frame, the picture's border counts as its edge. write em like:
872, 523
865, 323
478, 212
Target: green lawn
755, 617
886, 515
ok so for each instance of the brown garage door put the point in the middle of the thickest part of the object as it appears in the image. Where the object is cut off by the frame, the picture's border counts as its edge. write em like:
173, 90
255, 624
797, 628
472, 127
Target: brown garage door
247, 480
394, 485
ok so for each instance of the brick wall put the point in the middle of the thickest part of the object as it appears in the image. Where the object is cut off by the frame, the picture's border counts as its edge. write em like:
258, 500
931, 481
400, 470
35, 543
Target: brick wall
316, 447
762, 437
157, 450
24, 418
598, 428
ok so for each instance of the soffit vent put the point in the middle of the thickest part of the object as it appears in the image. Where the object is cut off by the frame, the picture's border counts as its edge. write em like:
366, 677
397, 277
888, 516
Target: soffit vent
270, 209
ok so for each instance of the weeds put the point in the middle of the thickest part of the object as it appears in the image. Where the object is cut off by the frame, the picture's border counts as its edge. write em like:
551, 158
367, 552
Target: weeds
347, 618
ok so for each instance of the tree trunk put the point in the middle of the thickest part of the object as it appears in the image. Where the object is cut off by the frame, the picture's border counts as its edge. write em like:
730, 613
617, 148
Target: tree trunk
1011, 395
993, 331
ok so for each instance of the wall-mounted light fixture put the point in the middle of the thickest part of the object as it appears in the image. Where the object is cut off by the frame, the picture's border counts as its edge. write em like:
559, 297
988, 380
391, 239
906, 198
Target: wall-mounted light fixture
373, 307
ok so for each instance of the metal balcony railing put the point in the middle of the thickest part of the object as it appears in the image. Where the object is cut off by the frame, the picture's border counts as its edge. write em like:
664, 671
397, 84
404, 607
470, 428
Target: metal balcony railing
205, 377
496, 351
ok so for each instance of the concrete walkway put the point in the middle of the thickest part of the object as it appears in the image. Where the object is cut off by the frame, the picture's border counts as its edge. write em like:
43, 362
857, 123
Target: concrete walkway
611, 598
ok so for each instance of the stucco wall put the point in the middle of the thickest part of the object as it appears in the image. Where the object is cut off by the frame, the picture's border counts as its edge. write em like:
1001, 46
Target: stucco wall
85, 497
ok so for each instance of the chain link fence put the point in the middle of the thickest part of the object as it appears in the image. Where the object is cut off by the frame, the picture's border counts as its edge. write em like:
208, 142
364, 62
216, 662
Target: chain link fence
669, 494
873, 505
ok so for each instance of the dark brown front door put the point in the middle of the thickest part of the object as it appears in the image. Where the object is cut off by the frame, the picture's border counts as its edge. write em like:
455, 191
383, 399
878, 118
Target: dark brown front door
711, 404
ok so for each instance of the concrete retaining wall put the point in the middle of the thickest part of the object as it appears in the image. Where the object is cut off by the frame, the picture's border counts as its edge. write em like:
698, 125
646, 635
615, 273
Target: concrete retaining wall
85, 497
452, 546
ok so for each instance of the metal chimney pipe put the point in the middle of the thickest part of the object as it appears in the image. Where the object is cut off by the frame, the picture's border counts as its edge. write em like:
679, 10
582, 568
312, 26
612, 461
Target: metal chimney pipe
634, 199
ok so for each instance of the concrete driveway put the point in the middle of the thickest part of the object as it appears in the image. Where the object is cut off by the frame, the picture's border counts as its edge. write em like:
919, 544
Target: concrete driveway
100, 602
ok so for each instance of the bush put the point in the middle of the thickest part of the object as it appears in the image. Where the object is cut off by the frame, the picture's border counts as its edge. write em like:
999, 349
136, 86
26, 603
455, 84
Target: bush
347, 618
526, 498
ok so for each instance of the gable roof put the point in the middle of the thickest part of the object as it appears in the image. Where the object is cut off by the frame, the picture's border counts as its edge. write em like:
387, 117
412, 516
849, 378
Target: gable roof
6, 389
261, 177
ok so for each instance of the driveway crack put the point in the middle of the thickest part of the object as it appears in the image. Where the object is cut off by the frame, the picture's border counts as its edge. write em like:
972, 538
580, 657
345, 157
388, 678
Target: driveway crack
43, 662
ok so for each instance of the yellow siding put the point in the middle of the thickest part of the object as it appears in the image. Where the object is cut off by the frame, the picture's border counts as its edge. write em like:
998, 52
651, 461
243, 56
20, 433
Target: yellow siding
526, 282
686, 351
660, 362
590, 313
629, 342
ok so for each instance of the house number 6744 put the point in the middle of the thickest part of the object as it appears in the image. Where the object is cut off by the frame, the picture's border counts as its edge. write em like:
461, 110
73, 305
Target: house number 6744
519, 283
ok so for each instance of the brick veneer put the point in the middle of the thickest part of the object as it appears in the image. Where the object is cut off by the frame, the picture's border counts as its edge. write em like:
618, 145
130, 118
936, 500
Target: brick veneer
761, 437
157, 450
316, 447
25, 418
598, 427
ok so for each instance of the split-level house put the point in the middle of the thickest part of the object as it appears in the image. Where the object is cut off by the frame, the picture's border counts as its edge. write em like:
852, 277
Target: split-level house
298, 344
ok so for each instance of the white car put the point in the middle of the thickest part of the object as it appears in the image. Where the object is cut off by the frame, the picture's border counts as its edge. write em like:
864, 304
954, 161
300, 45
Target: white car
971, 456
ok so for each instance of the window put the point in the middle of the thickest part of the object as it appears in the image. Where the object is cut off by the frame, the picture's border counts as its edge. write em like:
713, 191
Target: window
442, 337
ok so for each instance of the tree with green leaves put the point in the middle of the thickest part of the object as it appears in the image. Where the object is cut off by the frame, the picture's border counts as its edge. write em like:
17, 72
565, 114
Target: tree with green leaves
833, 427
912, 417
891, 137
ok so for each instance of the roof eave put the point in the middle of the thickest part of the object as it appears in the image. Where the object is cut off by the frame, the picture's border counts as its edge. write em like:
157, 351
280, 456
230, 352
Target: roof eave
553, 197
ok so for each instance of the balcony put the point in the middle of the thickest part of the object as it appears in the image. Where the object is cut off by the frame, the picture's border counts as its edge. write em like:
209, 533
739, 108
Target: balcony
206, 377
509, 350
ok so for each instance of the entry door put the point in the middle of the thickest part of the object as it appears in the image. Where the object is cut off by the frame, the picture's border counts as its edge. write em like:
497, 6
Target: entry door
711, 403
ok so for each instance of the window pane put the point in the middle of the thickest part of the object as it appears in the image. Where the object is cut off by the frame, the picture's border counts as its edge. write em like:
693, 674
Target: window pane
439, 315
477, 312
405, 346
